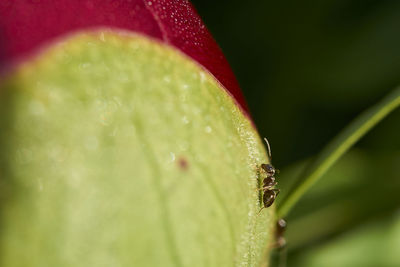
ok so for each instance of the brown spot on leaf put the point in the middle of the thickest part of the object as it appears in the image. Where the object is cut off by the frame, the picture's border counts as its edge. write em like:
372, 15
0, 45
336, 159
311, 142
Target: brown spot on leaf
183, 163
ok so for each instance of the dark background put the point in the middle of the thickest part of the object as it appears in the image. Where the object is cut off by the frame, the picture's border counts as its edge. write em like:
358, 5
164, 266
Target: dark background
307, 68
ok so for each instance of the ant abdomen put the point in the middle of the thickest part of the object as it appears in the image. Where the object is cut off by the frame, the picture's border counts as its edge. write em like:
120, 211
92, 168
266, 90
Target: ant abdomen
269, 197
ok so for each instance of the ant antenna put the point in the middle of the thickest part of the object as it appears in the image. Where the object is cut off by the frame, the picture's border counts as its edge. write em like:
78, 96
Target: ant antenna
269, 147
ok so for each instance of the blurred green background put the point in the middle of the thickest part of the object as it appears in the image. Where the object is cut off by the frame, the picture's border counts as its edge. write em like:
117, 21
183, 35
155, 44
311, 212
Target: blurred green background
307, 68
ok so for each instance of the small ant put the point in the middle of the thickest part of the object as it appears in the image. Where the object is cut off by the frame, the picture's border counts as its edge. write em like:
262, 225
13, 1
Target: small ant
269, 182
269, 197
280, 242
279, 234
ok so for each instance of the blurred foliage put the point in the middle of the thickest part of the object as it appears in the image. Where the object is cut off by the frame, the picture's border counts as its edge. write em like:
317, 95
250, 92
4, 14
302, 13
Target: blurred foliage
360, 188
374, 244
307, 68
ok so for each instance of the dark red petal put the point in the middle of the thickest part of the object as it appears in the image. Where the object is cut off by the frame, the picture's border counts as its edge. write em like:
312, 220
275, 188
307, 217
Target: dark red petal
25, 25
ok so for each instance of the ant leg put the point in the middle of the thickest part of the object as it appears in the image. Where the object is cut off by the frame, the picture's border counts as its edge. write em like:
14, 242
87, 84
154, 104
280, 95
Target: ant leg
259, 212
276, 191
261, 189
267, 188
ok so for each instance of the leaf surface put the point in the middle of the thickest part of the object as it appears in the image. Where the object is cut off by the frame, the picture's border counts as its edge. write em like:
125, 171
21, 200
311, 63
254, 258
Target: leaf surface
117, 150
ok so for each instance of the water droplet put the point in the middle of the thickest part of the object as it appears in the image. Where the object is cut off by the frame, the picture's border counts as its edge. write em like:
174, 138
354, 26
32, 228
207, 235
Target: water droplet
36, 108
102, 37
84, 65
149, 3
114, 132
122, 77
183, 146
172, 156
134, 46
129, 130
208, 129
202, 77
40, 185
91, 143
57, 154
185, 120
117, 100
75, 177
167, 79
104, 119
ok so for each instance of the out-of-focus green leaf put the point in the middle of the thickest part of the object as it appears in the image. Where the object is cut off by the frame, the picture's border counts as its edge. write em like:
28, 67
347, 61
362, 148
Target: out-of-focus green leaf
337, 147
374, 244
360, 188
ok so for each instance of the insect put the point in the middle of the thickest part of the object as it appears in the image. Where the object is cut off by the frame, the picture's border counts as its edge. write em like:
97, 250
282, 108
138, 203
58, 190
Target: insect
269, 182
280, 242
280, 230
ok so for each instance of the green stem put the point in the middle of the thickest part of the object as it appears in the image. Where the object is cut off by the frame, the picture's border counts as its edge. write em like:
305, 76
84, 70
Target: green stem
337, 147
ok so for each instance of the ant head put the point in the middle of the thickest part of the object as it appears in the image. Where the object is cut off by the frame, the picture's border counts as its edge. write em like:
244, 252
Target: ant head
269, 169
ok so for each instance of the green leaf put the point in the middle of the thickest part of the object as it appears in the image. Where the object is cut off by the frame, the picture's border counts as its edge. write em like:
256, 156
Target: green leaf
116, 150
360, 188
337, 147
374, 244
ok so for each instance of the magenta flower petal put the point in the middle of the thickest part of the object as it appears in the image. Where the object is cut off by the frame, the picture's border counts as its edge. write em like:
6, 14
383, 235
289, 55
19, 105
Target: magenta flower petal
26, 25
